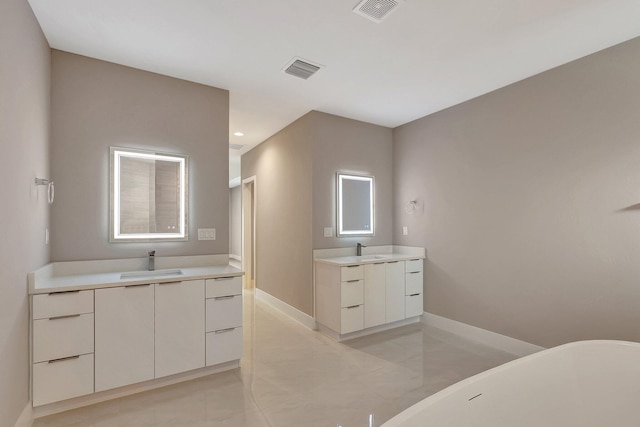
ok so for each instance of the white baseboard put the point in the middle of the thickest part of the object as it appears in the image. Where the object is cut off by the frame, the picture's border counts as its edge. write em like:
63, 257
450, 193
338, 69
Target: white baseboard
26, 417
283, 307
473, 333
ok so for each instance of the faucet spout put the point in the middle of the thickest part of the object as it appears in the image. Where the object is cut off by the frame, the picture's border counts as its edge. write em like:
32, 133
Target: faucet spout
152, 260
359, 247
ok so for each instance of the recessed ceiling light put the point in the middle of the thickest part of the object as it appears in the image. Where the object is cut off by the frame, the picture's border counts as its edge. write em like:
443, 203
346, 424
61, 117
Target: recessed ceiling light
238, 134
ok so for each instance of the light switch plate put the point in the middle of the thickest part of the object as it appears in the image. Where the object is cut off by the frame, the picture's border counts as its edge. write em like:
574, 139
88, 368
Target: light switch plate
206, 234
328, 232
405, 231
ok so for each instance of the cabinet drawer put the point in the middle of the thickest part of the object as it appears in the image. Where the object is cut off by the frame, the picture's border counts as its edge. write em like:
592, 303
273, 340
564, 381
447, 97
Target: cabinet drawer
62, 304
351, 272
60, 337
413, 283
413, 265
224, 312
223, 286
62, 379
413, 305
351, 319
224, 346
351, 293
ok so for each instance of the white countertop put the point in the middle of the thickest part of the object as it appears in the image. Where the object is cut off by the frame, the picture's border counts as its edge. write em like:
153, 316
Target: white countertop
368, 259
51, 279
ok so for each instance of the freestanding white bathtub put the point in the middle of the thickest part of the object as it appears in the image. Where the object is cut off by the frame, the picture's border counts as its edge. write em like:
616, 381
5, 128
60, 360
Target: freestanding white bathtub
581, 384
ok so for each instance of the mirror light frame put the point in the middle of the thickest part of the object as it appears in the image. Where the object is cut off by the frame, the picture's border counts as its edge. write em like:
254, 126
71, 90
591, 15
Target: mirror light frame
340, 232
115, 154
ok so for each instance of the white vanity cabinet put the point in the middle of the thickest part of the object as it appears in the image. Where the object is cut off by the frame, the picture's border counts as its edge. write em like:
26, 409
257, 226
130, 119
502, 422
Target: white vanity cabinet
223, 320
368, 295
179, 327
124, 336
62, 346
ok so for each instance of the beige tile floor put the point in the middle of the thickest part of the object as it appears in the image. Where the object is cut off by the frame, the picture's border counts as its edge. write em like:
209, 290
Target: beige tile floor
291, 376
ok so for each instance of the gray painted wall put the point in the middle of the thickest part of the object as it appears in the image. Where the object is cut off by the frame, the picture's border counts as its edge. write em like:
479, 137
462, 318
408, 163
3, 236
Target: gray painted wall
531, 199
235, 221
295, 172
282, 167
345, 145
24, 138
97, 104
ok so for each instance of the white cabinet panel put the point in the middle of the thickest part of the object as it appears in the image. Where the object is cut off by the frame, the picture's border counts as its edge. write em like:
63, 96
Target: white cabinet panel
394, 303
224, 312
413, 305
351, 272
62, 304
374, 294
413, 265
180, 327
124, 351
62, 379
224, 346
413, 283
351, 319
351, 293
60, 337
223, 286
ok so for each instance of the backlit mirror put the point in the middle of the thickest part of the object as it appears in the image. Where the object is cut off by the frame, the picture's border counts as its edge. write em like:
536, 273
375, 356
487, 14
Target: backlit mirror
148, 196
355, 205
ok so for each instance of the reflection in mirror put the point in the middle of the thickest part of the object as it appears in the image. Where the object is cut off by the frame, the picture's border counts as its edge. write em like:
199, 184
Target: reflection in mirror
355, 205
148, 196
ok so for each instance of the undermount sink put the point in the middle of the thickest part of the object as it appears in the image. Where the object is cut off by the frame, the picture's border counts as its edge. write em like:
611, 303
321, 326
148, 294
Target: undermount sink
153, 273
365, 257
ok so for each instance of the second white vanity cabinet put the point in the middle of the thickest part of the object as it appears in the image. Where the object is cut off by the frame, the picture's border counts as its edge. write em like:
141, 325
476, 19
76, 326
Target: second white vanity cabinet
125, 349
352, 297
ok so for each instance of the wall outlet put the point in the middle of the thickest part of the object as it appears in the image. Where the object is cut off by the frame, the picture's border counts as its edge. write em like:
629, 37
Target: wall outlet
405, 230
328, 232
46, 236
206, 234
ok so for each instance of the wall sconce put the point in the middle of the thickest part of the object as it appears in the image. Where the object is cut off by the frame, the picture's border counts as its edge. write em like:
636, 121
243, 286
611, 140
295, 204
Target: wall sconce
413, 206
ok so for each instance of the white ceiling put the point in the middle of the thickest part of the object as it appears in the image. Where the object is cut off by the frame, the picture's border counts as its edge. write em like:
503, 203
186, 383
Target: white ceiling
426, 56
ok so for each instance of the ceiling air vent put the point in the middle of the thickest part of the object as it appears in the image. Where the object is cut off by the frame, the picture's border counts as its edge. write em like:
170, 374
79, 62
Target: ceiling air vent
301, 68
376, 10
236, 146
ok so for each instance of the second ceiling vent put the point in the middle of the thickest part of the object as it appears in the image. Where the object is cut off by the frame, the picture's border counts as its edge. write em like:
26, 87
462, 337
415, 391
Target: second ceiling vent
376, 10
301, 68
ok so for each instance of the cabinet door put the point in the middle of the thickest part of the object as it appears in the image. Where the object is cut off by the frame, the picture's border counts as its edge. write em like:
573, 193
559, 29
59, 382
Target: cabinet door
395, 294
180, 323
124, 343
374, 294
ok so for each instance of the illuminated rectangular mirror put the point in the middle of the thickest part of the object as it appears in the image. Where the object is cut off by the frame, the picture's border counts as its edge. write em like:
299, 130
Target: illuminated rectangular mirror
355, 205
148, 196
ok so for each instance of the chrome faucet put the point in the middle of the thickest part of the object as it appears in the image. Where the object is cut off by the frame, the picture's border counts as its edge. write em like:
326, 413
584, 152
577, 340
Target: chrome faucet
359, 249
152, 260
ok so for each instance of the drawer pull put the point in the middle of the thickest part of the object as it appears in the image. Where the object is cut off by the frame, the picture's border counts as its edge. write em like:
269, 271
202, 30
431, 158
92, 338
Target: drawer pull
63, 292
64, 317
414, 272
352, 306
352, 281
378, 263
393, 262
353, 266
225, 278
417, 259
223, 331
138, 286
414, 295
225, 297
170, 283
64, 359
